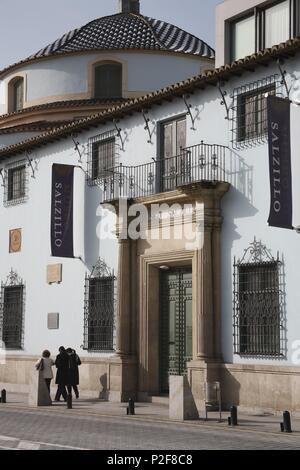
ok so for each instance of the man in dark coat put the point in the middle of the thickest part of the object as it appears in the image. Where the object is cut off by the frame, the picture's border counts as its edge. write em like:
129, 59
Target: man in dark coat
62, 365
73, 372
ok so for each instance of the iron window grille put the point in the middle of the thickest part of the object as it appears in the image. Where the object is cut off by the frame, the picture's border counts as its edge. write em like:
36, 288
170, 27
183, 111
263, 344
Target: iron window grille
102, 157
249, 115
259, 304
12, 303
15, 184
99, 309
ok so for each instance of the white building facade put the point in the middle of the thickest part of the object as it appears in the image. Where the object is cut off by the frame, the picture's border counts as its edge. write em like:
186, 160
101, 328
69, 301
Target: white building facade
196, 282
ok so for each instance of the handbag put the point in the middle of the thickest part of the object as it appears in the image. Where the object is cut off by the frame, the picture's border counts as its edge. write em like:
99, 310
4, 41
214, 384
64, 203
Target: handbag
40, 366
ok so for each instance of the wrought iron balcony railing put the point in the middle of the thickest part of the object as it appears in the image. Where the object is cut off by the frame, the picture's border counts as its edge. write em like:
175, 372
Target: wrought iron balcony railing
194, 164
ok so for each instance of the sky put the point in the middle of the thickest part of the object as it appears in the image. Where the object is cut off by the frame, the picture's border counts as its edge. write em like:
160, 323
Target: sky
28, 25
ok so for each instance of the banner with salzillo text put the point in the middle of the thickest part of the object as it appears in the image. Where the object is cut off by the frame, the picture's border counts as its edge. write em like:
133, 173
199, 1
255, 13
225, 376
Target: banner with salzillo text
62, 242
279, 133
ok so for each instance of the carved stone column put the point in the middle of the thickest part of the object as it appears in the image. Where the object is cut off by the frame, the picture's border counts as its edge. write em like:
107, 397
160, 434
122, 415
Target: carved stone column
124, 299
123, 365
209, 280
205, 298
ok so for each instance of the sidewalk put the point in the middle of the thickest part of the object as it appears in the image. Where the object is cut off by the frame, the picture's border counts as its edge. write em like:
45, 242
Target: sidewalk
265, 423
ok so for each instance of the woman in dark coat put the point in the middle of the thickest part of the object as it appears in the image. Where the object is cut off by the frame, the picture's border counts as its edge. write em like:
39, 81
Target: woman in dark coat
62, 365
73, 372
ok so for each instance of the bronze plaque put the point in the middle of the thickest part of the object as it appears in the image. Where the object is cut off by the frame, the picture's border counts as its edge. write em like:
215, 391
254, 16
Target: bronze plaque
54, 273
15, 240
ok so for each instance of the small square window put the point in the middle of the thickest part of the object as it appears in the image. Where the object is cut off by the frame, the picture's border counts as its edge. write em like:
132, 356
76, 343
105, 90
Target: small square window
102, 157
249, 114
15, 184
11, 316
252, 113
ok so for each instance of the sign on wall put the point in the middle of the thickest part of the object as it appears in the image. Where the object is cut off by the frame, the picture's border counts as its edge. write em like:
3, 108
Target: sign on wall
15, 240
54, 273
62, 211
279, 133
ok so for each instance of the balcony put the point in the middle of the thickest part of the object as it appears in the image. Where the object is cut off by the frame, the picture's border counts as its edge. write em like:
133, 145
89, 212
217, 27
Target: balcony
199, 163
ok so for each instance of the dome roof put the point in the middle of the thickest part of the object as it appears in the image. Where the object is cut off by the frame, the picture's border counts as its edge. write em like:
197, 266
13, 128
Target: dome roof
127, 31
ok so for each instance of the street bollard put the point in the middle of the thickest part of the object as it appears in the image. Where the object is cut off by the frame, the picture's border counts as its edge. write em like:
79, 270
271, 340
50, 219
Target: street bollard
69, 402
287, 422
229, 421
233, 416
3, 396
130, 408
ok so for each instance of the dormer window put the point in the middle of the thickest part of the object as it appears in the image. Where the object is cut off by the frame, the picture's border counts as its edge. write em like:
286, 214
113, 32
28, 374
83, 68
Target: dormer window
16, 94
108, 81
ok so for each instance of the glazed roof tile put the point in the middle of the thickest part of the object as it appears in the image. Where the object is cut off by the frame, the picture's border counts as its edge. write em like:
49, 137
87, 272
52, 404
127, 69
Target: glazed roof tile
127, 31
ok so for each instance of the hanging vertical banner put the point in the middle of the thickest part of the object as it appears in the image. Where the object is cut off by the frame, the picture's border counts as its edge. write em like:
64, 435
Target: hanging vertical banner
62, 211
279, 133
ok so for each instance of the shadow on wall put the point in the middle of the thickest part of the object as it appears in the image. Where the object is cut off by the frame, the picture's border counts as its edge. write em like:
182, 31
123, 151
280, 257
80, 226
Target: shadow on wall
230, 390
235, 205
239, 175
103, 387
92, 242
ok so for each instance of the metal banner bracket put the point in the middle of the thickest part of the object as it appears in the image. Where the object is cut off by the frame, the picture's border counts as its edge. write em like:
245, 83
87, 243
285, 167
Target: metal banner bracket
223, 94
189, 108
30, 160
283, 73
76, 148
119, 133
147, 127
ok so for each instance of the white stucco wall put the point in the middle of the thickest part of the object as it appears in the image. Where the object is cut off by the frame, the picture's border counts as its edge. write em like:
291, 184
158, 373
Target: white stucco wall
245, 211
66, 77
9, 139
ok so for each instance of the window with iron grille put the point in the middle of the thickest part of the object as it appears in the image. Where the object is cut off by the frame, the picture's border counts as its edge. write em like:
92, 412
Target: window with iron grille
249, 112
102, 157
16, 183
99, 321
258, 305
11, 312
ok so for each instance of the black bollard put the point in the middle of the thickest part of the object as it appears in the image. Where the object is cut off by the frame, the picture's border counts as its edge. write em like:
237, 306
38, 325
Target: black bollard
229, 421
287, 422
3, 396
69, 402
233, 416
130, 409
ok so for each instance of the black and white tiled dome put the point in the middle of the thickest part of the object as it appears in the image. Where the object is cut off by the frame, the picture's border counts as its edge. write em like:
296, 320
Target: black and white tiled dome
127, 31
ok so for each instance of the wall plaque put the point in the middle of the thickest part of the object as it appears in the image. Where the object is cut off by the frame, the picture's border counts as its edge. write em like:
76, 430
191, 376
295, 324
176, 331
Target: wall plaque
54, 273
53, 321
15, 240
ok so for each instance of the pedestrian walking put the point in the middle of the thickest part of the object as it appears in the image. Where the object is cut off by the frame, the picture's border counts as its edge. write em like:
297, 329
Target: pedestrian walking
44, 365
73, 371
62, 365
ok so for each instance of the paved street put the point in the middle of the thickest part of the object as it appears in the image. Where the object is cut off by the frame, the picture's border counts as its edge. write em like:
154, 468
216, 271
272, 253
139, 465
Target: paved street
43, 429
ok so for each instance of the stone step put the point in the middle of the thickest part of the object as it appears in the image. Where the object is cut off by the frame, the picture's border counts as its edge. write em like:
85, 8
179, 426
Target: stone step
159, 399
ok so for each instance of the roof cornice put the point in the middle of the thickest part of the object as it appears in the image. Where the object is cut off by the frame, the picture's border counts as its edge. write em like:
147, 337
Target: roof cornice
210, 77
